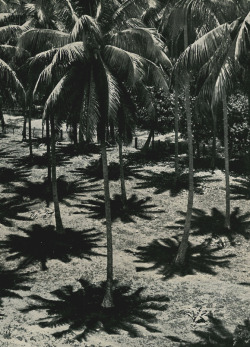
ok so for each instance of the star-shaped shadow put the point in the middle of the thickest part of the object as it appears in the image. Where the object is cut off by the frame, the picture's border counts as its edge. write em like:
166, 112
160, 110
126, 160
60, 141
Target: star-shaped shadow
81, 310
134, 207
42, 243
162, 253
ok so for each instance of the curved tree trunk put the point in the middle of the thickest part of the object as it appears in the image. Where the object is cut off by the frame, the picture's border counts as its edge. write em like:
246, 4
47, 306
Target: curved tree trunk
122, 177
181, 255
108, 297
176, 134
74, 128
147, 143
58, 219
226, 154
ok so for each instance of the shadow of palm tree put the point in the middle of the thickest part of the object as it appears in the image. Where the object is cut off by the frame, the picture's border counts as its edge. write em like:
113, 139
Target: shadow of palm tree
241, 191
214, 224
94, 171
134, 207
43, 190
162, 254
82, 310
39, 161
43, 243
165, 181
8, 175
71, 150
218, 335
12, 281
151, 155
11, 208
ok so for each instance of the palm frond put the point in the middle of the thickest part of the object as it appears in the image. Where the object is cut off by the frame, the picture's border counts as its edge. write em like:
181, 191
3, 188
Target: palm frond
60, 93
9, 80
38, 40
142, 41
243, 40
10, 32
199, 53
7, 52
43, 58
127, 66
131, 8
87, 27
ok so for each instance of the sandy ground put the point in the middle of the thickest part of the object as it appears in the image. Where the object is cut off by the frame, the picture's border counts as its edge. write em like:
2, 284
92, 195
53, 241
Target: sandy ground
220, 294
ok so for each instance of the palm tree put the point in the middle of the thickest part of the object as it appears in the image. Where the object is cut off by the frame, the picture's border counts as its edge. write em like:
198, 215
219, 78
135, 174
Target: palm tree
217, 56
112, 61
185, 21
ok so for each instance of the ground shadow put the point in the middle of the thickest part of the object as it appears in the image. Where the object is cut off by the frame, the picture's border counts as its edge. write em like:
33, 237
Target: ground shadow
82, 310
218, 335
94, 171
166, 181
240, 191
39, 161
8, 175
214, 225
12, 281
11, 208
134, 208
40, 244
71, 150
151, 155
43, 190
162, 253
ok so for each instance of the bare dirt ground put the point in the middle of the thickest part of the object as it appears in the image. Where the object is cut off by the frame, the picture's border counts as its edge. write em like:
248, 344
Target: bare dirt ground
191, 298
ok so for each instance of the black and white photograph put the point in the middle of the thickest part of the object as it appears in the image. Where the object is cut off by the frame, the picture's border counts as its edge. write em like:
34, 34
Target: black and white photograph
124, 173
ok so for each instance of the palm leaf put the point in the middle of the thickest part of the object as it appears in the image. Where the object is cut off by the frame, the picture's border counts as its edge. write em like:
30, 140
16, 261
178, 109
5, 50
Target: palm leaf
127, 66
38, 40
88, 27
7, 52
10, 32
243, 40
9, 80
144, 42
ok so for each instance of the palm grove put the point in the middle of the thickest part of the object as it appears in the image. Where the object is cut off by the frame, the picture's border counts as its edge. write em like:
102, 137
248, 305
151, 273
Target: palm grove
97, 64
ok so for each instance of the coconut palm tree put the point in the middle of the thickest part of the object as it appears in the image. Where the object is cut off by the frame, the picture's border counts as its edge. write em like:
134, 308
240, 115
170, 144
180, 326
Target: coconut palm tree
217, 56
181, 26
108, 61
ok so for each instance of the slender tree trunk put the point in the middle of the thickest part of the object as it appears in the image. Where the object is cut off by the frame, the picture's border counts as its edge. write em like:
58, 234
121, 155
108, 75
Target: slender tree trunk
108, 296
24, 132
147, 143
213, 160
181, 255
226, 154
74, 126
48, 150
176, 134
30, 131
58, 219
122, 178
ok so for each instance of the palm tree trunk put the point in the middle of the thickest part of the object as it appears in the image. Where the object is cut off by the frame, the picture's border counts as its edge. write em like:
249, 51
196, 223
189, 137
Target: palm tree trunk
122, 178
58, 219
108, 296
74, 126
213, 160
176, 135
181, 254
147, 143
48, 150
24, 126
226, 154
30, 131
